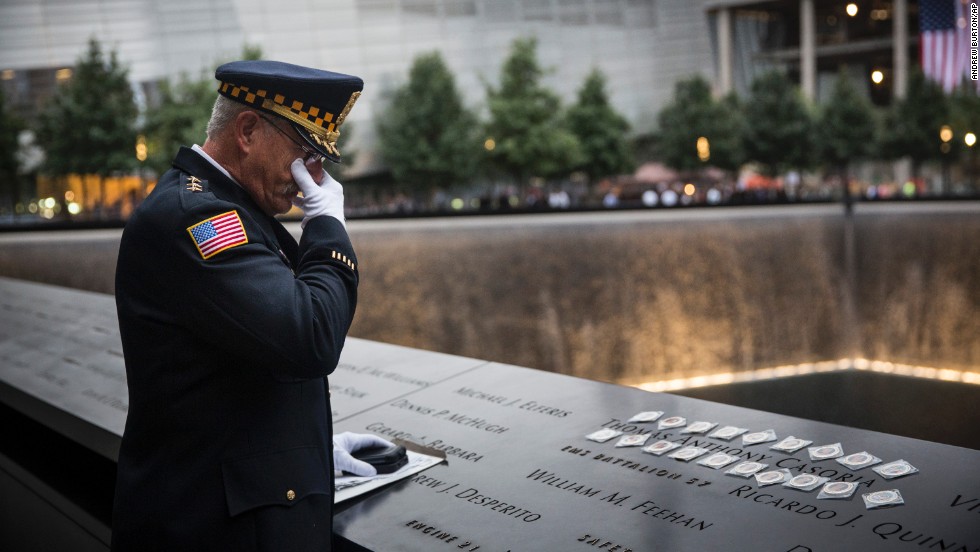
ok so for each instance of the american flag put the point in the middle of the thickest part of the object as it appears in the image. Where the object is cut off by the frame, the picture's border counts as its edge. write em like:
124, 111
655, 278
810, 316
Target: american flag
944, 42
218, 233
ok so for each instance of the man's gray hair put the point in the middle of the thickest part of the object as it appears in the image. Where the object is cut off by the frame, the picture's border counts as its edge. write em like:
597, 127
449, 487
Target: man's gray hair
223, 114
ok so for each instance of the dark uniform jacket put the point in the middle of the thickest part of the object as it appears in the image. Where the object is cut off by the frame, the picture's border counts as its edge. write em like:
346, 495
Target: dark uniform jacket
228, 440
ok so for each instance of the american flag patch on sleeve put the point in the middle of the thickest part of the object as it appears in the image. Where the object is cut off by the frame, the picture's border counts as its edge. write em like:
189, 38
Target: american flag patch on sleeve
214, 235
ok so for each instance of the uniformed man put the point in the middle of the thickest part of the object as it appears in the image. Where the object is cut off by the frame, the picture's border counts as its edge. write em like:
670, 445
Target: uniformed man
229, 327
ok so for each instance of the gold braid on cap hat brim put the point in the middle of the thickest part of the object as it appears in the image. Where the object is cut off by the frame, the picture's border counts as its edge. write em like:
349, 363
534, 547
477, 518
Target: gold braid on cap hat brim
308, 117
327, 139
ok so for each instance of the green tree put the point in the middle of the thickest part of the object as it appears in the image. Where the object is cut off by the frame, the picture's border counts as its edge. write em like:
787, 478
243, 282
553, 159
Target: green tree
913, 123
10, 129
427, 136
526, 120
251, 52
779, 125
964, 117
727, 148
601, 130
88, 126
845, 130
964, 111
693, 114
180, 119
348, 155
181, 116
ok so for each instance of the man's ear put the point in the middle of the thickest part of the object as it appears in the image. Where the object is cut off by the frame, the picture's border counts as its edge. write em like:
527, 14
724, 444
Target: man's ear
246, 130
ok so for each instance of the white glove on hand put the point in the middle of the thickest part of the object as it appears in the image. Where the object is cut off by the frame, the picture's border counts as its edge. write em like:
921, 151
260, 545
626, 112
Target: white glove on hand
325, 198
348, 442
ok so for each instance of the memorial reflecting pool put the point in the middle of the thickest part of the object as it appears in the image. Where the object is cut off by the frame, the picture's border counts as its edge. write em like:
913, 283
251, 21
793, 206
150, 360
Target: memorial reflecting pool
638, 297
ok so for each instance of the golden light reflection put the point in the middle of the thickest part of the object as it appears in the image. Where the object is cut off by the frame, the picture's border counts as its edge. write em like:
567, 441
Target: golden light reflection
879, 14
704, 149
490, 144
141, 148
852, 9
844, 364
970, 139
945, 133
877, 76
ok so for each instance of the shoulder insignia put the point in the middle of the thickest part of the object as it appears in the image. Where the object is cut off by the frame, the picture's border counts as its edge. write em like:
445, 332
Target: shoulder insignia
194, 184
218, 233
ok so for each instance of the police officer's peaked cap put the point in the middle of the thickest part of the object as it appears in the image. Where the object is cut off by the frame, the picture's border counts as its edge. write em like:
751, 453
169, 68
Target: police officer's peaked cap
315, 102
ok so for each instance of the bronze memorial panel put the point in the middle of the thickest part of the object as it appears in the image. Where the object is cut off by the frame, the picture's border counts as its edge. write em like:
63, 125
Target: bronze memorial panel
522, 475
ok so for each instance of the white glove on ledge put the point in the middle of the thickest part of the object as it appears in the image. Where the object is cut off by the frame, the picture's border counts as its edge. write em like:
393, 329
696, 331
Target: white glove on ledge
325, 198
346, 443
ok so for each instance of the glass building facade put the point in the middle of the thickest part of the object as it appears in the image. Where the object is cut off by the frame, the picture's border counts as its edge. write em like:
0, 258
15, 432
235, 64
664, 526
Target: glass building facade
642, 46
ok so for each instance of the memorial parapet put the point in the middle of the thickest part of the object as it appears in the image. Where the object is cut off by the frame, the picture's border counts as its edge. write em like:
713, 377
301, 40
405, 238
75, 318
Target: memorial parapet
521, 472
61, 363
